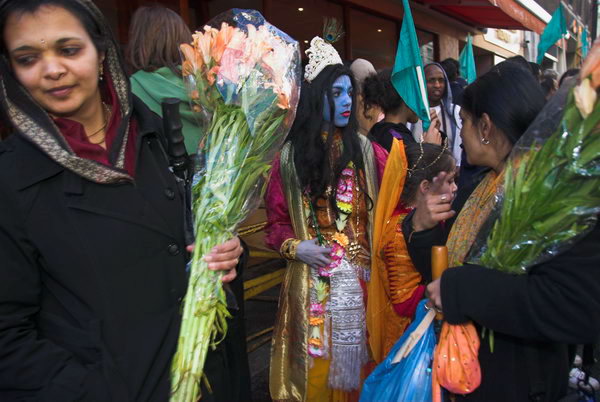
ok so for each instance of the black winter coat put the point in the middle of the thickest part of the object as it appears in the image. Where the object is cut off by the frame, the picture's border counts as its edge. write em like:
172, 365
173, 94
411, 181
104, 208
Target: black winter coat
91, 276
534, 316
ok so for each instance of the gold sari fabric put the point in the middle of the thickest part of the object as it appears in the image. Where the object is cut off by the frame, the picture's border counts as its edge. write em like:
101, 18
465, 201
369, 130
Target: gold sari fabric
290, 363
472, 216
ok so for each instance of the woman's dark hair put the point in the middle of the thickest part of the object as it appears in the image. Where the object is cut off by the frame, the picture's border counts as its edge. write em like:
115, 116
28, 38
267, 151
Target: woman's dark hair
536, 70
21, 7
377, 90
316, 167
520, 61
509, 94
155, 34
425, 161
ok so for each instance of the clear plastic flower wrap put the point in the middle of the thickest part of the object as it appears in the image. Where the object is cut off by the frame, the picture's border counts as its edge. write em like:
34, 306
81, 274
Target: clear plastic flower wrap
551, 191
243, 77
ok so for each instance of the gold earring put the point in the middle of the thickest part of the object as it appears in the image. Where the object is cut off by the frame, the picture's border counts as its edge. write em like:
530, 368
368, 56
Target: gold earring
101, 72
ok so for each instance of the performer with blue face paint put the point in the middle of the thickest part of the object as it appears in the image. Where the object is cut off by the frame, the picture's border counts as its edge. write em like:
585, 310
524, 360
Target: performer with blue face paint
320, 205
341, 92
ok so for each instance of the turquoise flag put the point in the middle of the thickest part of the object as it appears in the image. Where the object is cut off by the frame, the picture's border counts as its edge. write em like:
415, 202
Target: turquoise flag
467, 61
556, 28
585, 46
408, 77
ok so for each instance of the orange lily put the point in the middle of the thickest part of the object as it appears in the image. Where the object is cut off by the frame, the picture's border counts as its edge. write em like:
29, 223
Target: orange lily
211, 75
192, 60
222, 38
202, 42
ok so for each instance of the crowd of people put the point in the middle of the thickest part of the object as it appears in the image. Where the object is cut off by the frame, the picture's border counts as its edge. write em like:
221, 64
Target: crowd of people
92, 236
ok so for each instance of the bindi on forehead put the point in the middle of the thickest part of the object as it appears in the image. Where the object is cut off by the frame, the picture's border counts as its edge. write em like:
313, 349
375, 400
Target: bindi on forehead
44, 27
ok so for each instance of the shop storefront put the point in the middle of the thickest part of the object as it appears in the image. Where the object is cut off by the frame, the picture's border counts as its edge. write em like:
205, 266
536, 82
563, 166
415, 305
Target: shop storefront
371, 27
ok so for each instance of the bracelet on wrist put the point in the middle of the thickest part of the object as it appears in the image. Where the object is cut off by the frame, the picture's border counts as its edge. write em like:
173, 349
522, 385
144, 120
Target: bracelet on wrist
288, 249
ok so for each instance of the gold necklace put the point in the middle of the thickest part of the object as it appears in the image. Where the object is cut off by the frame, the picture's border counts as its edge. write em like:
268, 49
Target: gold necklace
107, 115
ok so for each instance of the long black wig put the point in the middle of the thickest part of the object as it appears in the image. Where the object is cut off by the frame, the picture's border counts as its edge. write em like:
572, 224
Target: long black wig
316, 168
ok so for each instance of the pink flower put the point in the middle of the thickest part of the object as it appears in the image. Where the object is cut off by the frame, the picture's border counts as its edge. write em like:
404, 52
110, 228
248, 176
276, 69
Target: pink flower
315, 352
317, 309
231, 60
324, 272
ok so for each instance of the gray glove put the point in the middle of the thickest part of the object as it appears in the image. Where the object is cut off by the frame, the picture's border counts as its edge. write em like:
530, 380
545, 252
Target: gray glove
309, 252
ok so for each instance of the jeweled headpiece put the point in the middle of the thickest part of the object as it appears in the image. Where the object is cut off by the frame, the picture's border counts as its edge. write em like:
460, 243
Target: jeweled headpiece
320, 55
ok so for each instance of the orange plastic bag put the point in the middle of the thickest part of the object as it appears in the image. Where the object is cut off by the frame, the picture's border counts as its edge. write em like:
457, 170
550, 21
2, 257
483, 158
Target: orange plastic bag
455, 360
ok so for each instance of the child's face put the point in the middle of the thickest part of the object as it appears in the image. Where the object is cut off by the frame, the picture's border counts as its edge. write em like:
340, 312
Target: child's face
448, 186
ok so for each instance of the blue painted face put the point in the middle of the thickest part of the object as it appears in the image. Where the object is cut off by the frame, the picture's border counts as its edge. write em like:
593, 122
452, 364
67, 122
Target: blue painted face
342, 102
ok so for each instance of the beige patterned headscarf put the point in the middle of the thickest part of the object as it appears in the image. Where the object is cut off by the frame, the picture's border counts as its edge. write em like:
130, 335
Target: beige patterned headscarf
32, 122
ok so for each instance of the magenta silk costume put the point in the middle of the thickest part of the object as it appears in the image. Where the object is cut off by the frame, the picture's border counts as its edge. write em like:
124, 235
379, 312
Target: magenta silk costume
279, 225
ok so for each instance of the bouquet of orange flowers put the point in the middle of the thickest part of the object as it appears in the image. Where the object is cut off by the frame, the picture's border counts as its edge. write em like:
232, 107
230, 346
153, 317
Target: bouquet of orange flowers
244, 81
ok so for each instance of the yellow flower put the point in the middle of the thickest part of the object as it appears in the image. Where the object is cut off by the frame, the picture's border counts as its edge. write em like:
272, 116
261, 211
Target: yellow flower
315, 321
341, 239
315, 342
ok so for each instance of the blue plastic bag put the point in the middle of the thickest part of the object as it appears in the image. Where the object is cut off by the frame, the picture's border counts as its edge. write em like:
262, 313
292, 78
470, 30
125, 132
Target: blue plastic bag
410, 378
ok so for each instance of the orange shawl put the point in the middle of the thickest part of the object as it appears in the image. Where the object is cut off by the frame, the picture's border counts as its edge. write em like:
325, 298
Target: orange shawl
396, 282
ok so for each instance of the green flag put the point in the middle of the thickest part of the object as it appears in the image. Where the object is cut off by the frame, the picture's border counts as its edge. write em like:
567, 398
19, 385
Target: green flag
556, 28
408, 77
585, 45
467, 61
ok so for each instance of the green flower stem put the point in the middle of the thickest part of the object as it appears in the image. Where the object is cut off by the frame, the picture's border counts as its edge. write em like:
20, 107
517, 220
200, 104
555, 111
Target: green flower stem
549, 193
236, 167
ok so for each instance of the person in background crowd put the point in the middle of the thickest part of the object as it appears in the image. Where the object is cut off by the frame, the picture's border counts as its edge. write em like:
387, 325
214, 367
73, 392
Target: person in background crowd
440, 100
153, 52
549, 82
366, 116
320, 207
378, 91
91, 223
534, 316
457, 83
154, 59
569, 73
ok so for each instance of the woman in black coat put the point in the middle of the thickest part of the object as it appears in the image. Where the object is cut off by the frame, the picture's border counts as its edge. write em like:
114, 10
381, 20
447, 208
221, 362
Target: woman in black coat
91, 220
536, 315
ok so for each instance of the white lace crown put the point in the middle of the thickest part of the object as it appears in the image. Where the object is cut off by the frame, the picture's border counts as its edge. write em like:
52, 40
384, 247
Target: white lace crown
320, 55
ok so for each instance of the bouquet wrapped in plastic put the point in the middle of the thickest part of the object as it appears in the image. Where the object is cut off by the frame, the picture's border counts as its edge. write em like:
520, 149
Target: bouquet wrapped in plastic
405, 374
551, 193
243, 77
